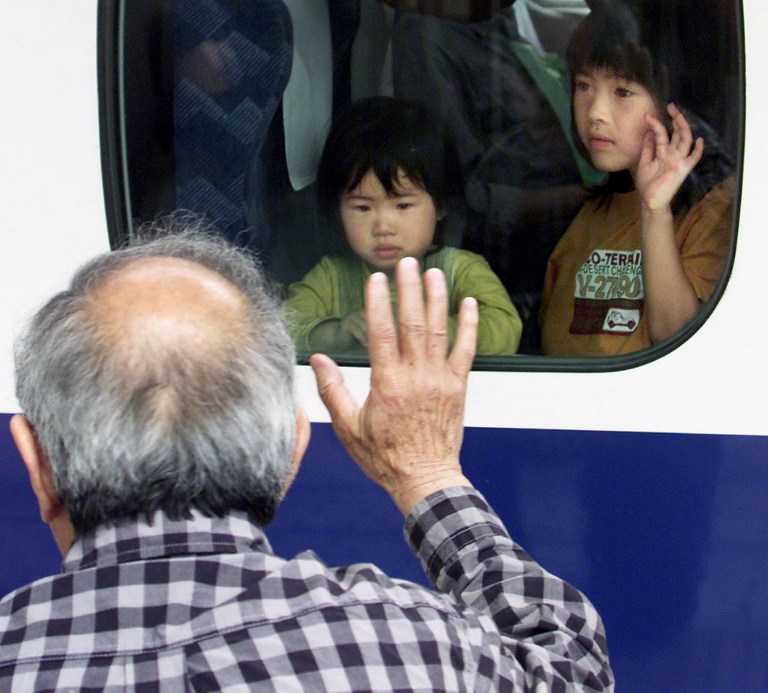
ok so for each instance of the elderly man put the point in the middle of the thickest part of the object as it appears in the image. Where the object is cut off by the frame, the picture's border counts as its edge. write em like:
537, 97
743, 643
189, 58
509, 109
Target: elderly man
160, 433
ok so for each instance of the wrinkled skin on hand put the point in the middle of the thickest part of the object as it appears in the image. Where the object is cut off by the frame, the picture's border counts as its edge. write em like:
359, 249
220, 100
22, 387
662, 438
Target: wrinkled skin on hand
408, 433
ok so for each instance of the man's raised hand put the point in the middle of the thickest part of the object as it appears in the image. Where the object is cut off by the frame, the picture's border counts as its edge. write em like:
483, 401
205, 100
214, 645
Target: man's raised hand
408, 433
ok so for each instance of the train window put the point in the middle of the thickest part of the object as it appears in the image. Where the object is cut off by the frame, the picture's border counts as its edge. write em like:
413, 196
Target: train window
526, 147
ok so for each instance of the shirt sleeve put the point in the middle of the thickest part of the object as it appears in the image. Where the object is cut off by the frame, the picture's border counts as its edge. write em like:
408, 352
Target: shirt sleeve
500, 326
704, 239
550, 634
311, 301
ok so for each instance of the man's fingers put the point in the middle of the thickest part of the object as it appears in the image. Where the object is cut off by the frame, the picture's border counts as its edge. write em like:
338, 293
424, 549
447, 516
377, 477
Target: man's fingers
463, 352
382, 335
437, 313
336, 397
410, 310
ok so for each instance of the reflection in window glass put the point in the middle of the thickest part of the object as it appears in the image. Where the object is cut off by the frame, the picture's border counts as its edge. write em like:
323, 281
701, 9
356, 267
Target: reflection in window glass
585, 245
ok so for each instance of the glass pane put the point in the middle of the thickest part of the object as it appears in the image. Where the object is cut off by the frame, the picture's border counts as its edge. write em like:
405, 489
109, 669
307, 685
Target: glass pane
228, 104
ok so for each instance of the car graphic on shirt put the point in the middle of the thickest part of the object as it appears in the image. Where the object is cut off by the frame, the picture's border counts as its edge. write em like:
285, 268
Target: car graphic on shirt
621, 320
616, 319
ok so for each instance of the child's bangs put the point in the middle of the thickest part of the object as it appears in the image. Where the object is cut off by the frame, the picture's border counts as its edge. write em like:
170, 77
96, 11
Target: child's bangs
600, 41
611, 38
622, 66
388, 171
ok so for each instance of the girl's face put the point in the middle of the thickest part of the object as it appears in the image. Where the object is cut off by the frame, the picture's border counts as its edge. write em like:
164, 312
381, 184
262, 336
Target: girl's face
610, 115
382, 229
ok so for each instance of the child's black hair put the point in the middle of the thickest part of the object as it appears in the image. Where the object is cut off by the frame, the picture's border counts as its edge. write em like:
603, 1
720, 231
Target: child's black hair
617, 36
389, 136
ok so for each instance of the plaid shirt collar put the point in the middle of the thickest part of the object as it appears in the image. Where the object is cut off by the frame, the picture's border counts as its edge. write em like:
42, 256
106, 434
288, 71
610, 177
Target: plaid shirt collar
163, 537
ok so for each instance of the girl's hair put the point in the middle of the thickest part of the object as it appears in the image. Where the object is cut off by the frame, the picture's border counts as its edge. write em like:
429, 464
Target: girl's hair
390, 136
616, 36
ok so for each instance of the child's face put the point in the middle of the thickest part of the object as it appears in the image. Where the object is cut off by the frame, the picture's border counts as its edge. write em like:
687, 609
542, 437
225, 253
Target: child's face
382, 229
610, 117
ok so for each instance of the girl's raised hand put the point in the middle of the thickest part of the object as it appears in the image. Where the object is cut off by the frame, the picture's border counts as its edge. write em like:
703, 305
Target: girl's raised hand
666, 162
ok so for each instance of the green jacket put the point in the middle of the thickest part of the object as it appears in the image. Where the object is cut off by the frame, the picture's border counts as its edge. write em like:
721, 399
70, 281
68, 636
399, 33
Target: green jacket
335, 287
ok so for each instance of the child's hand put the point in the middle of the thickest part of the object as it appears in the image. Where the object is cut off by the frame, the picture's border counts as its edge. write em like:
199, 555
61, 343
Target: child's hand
665, 163
355, 326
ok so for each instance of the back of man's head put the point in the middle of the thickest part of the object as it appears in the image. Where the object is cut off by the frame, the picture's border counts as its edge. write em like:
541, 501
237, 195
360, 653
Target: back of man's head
162, 379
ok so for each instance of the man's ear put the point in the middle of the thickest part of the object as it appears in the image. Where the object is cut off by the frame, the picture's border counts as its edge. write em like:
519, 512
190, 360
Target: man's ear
300, 443
38, 467
52, 512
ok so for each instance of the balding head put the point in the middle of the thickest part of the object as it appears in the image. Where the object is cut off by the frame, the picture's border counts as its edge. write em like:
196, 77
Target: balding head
161, 316
170, 300
162, 380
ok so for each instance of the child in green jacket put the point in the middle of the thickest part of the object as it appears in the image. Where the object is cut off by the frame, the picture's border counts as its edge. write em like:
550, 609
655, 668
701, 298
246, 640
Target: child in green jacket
391, 173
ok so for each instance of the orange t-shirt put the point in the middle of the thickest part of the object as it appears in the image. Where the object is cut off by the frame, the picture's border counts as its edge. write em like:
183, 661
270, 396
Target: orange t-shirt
593, 298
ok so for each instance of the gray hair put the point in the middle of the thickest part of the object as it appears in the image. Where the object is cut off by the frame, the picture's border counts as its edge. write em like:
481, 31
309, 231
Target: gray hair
228, 440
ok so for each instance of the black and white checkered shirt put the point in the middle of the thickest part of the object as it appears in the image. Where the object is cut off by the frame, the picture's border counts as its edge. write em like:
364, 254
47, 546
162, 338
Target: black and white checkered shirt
205, 605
